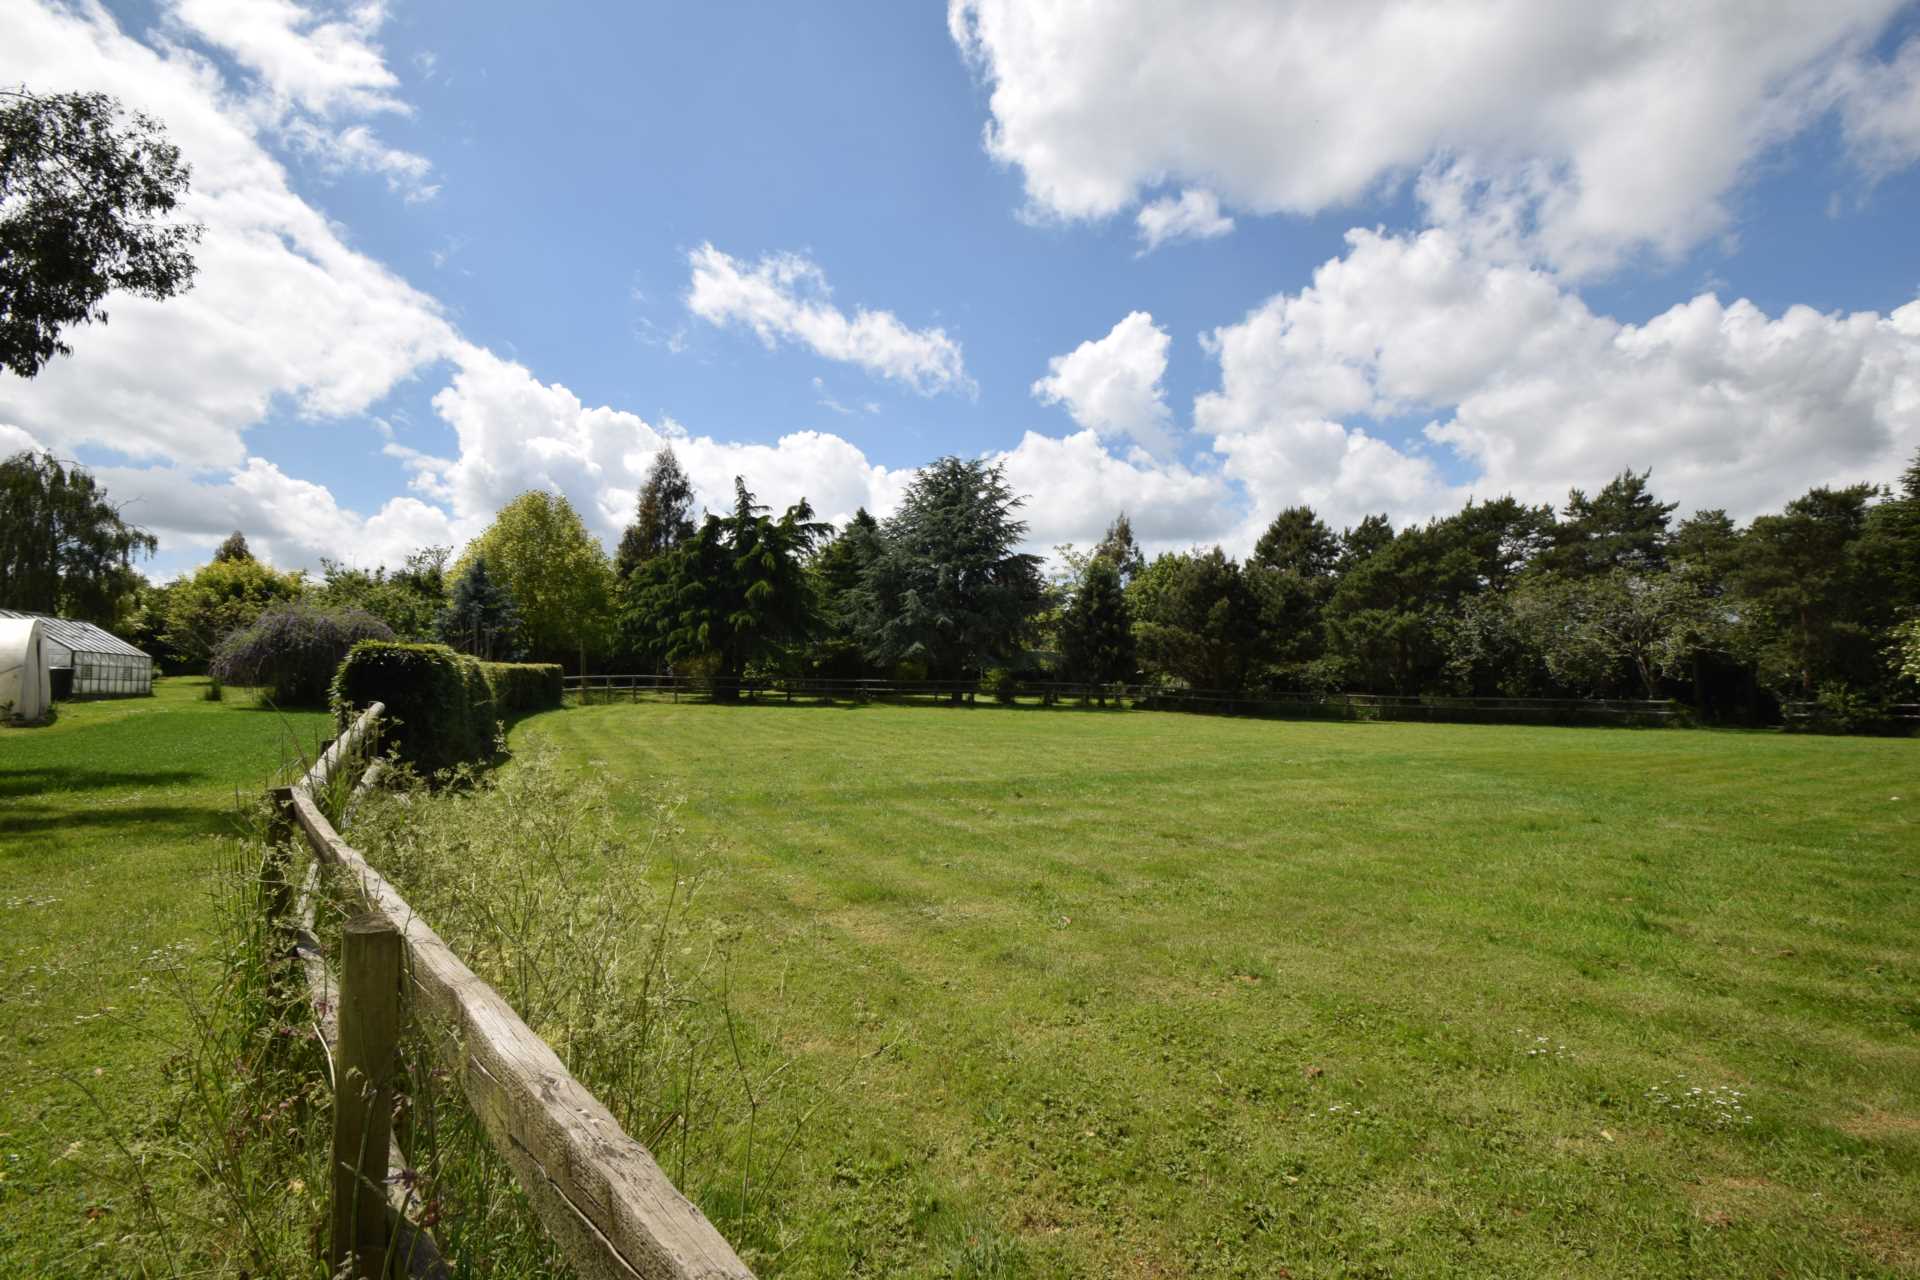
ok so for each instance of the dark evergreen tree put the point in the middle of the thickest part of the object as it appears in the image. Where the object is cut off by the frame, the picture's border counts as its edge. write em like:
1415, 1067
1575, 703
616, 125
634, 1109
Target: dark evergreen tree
1504, 537
1365, 538
233, 548
1119, 549
1297, 542
736, 594
482, 618
1384, 621
949, 587
1292, 572
1805, 602
1622, 527
662, 516
838, 572
1096, 628
1197, 620
64, 549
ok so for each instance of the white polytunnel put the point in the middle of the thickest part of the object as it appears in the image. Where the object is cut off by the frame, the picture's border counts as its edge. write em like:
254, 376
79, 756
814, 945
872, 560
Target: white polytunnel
85, 661
24, 687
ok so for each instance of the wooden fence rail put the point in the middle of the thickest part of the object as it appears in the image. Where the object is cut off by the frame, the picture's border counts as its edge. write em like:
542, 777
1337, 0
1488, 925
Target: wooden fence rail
614, 688
598, 1192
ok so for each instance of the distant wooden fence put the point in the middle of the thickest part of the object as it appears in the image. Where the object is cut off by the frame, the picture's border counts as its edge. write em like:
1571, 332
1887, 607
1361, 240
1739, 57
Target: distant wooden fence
597, 1191
1896, 717
1336, 706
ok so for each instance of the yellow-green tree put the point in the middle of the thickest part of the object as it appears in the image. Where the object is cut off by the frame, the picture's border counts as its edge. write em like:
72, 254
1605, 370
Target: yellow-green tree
222, 597
557, 573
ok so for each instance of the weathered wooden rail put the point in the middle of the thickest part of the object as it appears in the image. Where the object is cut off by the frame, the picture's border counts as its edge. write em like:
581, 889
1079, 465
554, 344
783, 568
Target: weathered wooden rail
618, 688
598, 1192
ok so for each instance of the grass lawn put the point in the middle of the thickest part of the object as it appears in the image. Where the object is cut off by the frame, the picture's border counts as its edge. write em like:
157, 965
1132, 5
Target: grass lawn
1138, 994
107, 819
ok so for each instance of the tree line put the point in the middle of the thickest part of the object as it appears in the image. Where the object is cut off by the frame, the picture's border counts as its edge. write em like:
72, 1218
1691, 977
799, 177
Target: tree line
1608, 595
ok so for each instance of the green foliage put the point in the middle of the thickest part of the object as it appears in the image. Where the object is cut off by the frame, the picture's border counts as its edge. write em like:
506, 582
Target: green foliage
1843, 709
950, 587
662, 516
1000, 684
1119, 549
440, 710
85, 199
1906, 650
222, 597
1588, 629
481, 618
1384, 619
409, 599
736, 592
1622, 527
292, 650
837, 574
1297, 542
234, 547
538, 549
1197, 620
524, 686
64, 549
1804, 594
1096, 628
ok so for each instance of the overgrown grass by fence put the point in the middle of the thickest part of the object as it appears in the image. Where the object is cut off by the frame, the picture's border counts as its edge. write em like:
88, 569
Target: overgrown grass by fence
607, 1205
1286, 705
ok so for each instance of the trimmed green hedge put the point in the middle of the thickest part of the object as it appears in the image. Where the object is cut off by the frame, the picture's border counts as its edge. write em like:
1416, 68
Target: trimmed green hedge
442, 706
524, 686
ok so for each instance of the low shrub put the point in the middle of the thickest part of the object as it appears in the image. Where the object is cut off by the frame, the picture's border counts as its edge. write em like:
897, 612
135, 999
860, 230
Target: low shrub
524, 686
440, 705
292, 650
1001, 683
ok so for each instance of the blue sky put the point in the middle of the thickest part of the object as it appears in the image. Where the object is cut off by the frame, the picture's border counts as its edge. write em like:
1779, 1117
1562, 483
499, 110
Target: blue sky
458, 250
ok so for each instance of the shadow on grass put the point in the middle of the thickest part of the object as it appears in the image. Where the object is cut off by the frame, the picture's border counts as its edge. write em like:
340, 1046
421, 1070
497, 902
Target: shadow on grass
172, 821
43, 779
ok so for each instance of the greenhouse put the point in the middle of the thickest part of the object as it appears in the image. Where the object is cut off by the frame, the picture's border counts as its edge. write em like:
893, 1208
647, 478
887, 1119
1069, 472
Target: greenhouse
84, 661
24, 691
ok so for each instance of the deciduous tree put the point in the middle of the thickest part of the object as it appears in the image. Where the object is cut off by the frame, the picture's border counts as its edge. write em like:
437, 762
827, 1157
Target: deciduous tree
64, 549
556, 572
86, 198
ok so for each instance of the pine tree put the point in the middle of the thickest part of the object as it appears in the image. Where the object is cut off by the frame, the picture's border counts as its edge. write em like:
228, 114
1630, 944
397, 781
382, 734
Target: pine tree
1096, 631
234, 548
736, 592
950, 588
1119, 549
482, 618
662, 516
1622, 527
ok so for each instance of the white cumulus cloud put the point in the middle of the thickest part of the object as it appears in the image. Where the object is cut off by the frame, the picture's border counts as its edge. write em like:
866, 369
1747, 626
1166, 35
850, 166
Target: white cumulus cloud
314, 67
1112, 386
282, 307
1192, 215
1599, 128
785, 297
1532, 392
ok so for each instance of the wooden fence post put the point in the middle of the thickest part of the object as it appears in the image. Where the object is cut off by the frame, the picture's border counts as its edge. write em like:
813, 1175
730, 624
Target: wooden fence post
278, 868
363, 1094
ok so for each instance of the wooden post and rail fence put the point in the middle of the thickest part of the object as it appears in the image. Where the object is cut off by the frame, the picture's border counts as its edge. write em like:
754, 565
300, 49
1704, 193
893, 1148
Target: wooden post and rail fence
1346, 706
598, 1192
